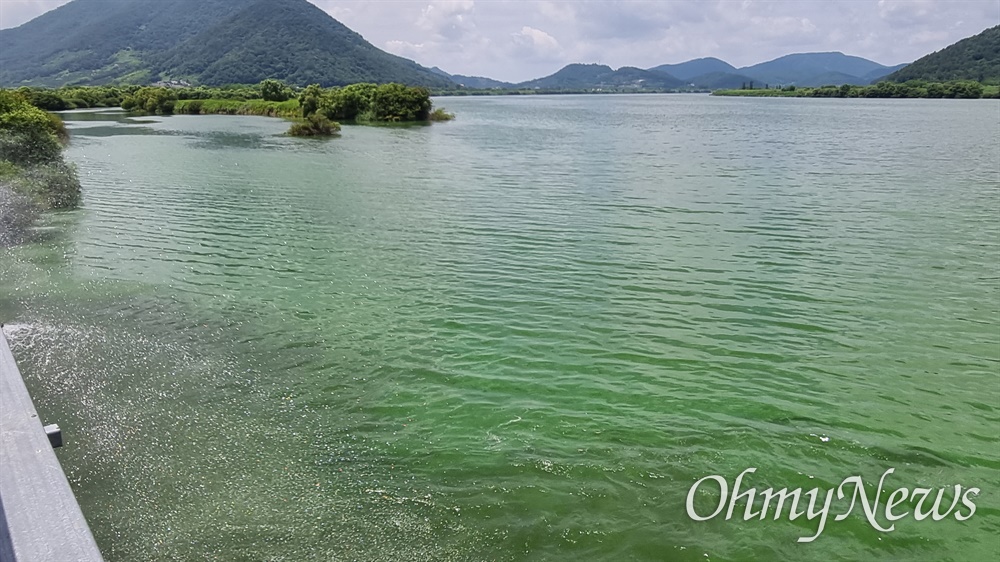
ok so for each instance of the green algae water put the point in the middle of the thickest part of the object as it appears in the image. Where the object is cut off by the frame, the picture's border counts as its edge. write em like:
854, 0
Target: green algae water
525, 334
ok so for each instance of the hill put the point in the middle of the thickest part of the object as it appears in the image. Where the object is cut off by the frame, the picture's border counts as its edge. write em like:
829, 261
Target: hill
209, 42
476, 82
479, 82
801, 69
720, 80
697, 67
808, 69
974, 58
598, 76
877, 75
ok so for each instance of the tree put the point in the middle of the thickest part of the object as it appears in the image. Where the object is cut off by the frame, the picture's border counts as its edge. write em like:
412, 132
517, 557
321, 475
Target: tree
311, 99
151, 100
275, 90
28, 135
350, 101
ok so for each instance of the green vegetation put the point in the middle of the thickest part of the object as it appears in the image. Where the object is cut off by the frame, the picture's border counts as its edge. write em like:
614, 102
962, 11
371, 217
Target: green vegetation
275, 90
367, 103
912, 89
288, 109
315, 125
151, 100
974, 58
33, 175
362, 103
75, 97
441, 115
208, 42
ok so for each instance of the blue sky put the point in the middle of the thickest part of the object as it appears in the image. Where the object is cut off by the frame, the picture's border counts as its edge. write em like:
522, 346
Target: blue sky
518, 40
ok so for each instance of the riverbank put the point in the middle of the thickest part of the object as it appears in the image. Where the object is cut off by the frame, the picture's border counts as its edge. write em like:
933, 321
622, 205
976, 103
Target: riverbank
912, 89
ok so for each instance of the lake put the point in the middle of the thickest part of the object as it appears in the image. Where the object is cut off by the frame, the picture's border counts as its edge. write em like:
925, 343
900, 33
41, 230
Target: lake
524, 334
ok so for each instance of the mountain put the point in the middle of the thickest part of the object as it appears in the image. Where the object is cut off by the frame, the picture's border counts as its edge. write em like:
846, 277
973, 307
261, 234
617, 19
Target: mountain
833, 78
877, 75
802, 69
720, 81
808, 69
210, 42
697, 67
974, 58
98, 38
597, 76
479, 82
476, 82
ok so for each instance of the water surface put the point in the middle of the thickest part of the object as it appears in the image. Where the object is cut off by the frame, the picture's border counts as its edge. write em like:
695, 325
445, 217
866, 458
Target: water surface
524, 334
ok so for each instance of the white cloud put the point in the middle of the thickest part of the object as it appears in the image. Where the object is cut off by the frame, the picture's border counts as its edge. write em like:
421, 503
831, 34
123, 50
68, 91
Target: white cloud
535, 44
15, 12
448, 20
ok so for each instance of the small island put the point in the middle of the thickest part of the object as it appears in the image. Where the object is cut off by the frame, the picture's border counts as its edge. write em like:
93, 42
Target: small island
317, 111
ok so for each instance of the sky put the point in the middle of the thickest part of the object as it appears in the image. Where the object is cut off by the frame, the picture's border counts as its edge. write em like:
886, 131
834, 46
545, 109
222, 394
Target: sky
517, 40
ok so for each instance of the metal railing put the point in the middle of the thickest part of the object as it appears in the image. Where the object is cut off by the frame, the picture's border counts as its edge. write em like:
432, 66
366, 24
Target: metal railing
40, 519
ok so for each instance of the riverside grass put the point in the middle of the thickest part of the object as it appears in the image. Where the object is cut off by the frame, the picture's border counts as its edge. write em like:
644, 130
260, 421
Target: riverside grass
287, 109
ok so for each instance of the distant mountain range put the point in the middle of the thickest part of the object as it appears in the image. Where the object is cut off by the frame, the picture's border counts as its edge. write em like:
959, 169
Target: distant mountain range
217, 42
802, 69
476, 82
697, 67
210, 42
975, 58
598, 76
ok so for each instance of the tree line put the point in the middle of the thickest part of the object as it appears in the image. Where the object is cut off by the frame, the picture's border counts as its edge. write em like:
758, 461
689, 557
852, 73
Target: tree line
316, 110
959, 89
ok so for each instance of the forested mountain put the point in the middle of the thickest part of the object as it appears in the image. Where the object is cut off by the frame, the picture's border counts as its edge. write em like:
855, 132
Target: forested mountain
101, 40
696, 67
208, 42
292, 40
974, 58
598, 76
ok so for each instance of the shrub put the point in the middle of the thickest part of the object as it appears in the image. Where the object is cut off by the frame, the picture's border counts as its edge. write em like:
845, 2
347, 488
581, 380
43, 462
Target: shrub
27, 148
314, 126
275, 90
151, 100
440, 114
193, 107
53, 186
28, 135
